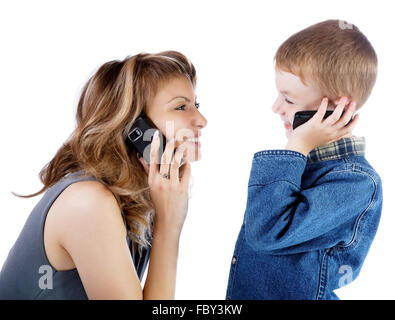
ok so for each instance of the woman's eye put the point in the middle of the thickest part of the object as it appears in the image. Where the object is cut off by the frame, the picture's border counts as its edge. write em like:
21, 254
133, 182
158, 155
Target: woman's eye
287, 101
197, 105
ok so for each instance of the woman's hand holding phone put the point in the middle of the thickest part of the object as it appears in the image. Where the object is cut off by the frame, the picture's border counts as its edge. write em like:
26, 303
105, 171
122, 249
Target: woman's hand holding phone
169, 195
319, 131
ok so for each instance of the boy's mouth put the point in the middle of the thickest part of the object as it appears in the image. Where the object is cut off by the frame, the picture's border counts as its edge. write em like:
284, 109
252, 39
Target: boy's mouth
287, 126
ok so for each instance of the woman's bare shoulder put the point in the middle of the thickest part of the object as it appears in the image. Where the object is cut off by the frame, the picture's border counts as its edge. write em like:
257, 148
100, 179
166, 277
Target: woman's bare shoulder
91, 230
86, 205
87, 191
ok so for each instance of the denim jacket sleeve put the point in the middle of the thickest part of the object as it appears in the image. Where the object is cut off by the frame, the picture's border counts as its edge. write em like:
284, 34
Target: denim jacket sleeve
282, 218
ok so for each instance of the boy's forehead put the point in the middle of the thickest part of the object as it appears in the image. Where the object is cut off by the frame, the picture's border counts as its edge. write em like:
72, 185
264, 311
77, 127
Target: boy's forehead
290, 84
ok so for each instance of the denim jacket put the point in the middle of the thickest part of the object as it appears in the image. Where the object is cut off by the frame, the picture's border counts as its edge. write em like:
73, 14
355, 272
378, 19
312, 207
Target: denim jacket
308, 224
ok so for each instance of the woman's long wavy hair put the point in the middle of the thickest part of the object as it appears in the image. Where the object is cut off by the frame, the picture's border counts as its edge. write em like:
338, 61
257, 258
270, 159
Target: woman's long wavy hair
110, 102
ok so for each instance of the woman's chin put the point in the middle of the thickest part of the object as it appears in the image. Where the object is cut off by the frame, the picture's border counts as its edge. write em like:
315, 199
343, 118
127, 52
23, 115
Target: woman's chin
193, 155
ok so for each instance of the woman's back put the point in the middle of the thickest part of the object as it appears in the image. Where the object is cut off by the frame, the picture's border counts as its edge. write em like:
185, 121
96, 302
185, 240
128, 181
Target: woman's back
27, 272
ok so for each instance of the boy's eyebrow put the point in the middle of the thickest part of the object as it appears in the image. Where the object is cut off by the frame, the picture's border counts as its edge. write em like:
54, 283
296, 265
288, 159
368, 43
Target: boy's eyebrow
284, 92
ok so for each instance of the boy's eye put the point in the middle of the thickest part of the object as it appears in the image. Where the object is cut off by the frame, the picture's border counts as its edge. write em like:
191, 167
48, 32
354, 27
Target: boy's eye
287, 101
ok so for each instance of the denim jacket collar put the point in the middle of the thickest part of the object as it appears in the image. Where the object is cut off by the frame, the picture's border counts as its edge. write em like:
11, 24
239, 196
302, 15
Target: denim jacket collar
345, 147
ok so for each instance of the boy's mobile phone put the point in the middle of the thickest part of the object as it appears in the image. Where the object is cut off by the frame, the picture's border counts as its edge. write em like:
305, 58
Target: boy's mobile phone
304, 116
140, 138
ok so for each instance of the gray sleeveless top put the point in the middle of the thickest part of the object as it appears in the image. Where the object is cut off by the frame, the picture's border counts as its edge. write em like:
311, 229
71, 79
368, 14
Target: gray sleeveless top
27, 274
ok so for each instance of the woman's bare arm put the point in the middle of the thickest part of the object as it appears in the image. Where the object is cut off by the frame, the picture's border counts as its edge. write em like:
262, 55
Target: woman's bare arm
161, 277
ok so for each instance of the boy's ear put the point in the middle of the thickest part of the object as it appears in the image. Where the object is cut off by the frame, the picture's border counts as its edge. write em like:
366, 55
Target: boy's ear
339, 98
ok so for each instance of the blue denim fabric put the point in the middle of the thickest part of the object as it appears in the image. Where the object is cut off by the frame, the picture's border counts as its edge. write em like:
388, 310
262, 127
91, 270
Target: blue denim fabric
308, 225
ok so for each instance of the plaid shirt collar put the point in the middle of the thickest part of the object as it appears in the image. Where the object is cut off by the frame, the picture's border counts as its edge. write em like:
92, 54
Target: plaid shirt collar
345, 147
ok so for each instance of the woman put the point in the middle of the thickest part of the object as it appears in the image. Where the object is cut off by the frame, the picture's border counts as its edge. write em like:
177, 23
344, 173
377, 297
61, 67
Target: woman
99, 192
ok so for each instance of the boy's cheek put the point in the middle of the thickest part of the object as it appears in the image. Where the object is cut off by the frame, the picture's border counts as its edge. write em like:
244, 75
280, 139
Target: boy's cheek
288, 133
291, 115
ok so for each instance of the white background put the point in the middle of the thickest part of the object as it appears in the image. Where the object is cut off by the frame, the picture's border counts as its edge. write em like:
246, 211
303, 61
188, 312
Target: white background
50, 48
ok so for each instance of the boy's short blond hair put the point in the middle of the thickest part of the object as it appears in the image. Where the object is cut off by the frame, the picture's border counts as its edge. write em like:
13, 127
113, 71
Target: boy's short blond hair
335, 56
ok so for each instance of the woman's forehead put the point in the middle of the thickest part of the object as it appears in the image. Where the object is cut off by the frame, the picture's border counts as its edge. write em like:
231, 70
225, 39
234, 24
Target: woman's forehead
173, 88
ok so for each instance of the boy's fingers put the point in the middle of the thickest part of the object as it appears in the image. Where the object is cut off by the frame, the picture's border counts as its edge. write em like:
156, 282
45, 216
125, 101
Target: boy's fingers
335, 116
347, 115
321, 110
349, 127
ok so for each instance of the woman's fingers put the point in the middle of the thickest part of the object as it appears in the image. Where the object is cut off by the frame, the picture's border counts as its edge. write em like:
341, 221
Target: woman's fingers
167, 157
144, 164
174, 168
186, 174
153, 168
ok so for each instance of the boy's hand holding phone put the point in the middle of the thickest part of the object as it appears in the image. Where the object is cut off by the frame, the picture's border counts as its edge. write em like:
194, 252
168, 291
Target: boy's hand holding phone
319, 131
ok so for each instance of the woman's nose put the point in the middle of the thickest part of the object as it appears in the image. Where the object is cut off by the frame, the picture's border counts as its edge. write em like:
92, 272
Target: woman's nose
199, 120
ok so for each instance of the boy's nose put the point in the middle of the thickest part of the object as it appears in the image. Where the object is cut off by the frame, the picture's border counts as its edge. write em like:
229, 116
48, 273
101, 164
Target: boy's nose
276, 108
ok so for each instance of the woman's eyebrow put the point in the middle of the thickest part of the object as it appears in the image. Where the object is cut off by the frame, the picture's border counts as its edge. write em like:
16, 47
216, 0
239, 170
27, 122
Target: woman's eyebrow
182, 97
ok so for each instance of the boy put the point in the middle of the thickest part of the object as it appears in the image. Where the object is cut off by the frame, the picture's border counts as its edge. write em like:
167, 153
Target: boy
312, 209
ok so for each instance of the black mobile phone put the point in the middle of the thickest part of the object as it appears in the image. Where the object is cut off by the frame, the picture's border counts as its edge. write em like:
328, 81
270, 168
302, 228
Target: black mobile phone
140, 138
304, 116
